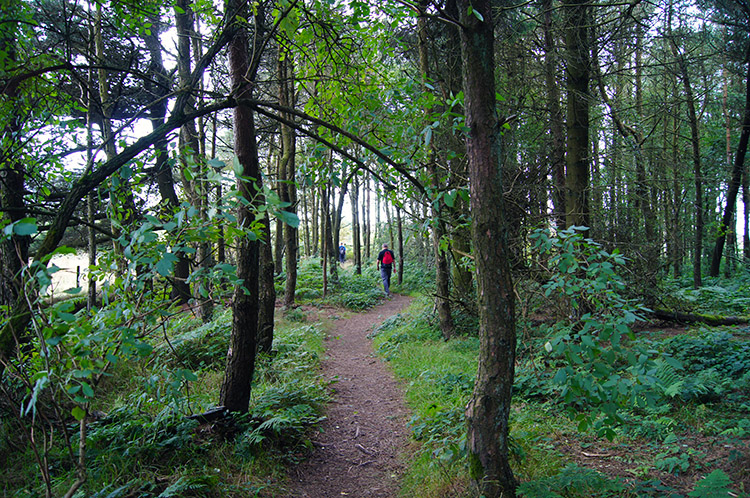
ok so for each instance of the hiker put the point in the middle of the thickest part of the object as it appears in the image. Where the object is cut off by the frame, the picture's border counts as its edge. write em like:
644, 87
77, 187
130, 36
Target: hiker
342, 253
385, 265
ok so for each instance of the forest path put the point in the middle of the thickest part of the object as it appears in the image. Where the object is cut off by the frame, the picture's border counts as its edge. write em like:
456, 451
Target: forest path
359, 447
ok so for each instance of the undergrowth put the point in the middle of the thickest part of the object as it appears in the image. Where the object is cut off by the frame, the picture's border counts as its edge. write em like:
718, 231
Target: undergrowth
655, 397
142, 441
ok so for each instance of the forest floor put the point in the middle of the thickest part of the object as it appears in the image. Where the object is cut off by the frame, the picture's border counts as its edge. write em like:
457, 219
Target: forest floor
359, 448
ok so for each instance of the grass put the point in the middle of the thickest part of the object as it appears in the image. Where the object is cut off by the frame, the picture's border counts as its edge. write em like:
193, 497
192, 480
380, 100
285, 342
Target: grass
437, 388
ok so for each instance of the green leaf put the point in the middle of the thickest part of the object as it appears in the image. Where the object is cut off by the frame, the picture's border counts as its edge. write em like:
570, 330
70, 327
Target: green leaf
474, 13
427, 136
53, 341
216, 163
560, 377
450, 198
88, 391
164, 266
78, 412
24, 227
126, 172
237, 167
290, 219
188, 174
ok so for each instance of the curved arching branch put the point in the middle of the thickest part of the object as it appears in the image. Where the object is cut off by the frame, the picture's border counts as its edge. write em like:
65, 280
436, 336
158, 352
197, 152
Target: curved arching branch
262, 108
318, 138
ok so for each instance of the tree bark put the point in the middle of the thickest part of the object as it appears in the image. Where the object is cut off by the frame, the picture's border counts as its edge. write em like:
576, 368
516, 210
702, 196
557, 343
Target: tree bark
696, 155
366, 217
557, 147
734, 184
356, 239
489, 408
712, 320
746, 214
14, 250
287, 178
266, 291
329, 252
240, 367
400, 228
122, 204
578, 52
442, 267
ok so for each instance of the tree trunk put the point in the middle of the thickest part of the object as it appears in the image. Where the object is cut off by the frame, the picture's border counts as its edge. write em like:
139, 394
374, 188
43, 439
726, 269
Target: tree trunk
205, 253
266, 291
642, 189
306, 216
91, 204
287, 184
557, 147
400, 228
695, 147
356, 244
189, 139
323, 240
578, 53
366, 218
330, 248
122, 205
316, 239
746, 214
734, 184
235, 391
14, 250
489, 408
676, 193
389, 222
442, 268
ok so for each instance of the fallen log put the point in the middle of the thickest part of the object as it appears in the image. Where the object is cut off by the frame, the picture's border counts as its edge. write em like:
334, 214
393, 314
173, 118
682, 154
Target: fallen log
713, 320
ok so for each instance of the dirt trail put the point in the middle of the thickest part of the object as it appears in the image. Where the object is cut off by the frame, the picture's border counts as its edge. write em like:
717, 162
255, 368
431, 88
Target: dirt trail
359, 449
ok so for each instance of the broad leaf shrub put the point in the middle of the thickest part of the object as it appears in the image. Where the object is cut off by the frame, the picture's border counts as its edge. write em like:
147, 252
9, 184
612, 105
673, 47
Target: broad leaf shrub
355, 292
418, 278
598, 369
711, 350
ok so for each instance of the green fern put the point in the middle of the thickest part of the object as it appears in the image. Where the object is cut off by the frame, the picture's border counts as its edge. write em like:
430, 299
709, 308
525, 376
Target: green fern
715, 485
573, 481
188, 486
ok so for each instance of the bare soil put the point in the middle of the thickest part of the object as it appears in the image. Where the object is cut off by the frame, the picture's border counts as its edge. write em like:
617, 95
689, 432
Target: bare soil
360, 447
